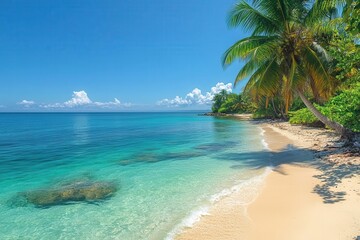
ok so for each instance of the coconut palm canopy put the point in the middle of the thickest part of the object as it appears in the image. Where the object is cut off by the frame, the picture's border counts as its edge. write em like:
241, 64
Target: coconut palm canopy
282, 54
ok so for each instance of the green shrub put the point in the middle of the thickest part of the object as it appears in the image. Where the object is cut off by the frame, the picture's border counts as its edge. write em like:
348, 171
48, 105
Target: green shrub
297, 104
343, 108
303, 116
265, 113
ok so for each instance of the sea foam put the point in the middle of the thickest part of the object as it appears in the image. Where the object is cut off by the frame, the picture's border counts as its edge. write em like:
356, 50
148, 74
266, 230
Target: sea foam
250, 188
188, 222
263, 142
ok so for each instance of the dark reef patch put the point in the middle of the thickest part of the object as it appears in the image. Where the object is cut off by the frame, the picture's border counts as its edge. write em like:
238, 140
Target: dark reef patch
79, 191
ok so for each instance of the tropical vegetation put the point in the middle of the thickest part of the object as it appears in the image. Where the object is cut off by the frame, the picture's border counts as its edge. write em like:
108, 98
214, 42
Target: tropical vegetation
225, 102
343, 108
300, 53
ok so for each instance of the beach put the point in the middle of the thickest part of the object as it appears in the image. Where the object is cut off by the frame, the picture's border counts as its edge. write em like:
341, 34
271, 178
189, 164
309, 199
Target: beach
173, 176
312, 192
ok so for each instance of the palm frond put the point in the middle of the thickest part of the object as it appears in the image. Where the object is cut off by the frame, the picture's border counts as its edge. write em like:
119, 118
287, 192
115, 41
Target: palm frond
323, 9
325, 27
300, 77
283, 10
317, 71
245, 47
250, 18
245, 71
265, 79
283, 54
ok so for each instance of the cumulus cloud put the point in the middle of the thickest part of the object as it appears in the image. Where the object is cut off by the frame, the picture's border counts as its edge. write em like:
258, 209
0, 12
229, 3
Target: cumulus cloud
81, 98
221, 86
26, 103
195, 97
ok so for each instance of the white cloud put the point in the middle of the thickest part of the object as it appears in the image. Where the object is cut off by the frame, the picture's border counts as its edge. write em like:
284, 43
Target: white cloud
116, 102
81, 98
221, 86
26, 103
195, 97
127, 105
52, 105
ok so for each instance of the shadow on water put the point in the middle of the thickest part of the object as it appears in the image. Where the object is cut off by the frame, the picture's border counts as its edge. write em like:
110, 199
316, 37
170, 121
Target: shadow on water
216, 147
152, 156
330, 174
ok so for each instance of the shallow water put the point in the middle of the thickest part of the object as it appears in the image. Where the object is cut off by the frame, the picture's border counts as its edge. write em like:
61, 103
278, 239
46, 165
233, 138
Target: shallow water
166, 167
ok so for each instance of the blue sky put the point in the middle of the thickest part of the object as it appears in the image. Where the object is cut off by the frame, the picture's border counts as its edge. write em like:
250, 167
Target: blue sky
139, 52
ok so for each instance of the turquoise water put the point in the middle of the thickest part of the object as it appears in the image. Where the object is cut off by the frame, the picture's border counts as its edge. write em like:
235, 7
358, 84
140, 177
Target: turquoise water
166, 167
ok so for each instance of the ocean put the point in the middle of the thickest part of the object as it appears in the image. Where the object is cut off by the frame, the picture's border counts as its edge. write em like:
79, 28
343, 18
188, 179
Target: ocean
122, 176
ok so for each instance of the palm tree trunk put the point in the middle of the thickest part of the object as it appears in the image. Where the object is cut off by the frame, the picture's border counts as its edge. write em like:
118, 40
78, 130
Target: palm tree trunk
344, 132
272, 101
267, 102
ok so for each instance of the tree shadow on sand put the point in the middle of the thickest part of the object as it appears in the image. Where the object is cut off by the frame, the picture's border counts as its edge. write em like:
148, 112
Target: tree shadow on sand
330, 174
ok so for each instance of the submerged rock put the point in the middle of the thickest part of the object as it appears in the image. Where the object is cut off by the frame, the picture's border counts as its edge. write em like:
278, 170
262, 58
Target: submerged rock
87, 191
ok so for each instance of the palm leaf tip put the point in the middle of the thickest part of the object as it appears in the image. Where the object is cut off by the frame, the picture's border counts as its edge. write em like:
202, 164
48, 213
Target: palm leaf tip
253, 18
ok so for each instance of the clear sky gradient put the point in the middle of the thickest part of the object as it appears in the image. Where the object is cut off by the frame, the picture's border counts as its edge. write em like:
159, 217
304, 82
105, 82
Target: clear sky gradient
138, 52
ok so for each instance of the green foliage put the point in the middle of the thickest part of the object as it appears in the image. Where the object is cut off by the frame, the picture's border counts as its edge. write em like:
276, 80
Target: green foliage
303, 116
352, 16
232, 103
346, 57
343, 108
274, 108
297, 104
299, 47
282, 54
265, 113
218, 100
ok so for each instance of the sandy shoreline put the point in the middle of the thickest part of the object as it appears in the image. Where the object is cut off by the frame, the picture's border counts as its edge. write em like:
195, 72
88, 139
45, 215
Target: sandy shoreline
313, 192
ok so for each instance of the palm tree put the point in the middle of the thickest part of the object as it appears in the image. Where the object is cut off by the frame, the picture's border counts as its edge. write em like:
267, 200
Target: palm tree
233, 104
282, 54
238, 103
219, 99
